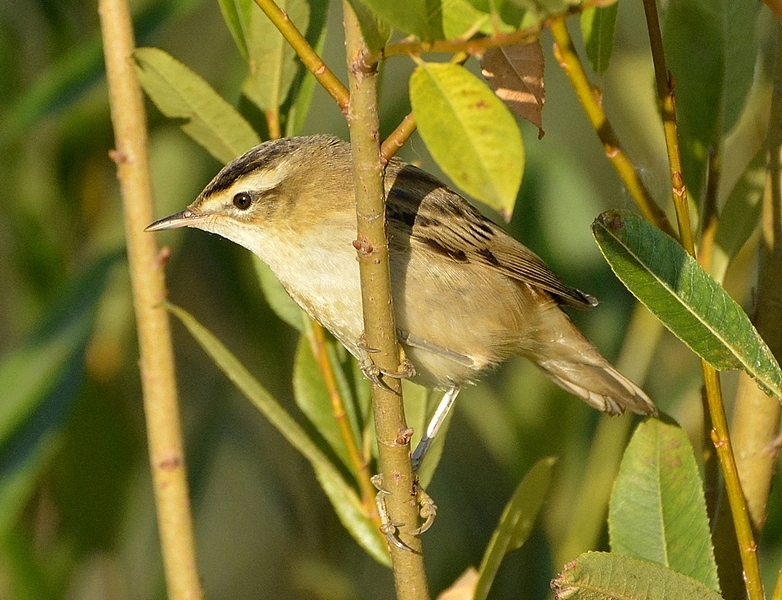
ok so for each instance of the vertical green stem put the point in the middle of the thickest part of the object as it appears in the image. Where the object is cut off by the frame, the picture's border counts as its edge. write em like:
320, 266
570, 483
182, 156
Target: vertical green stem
393, 436
720, 435
161, 411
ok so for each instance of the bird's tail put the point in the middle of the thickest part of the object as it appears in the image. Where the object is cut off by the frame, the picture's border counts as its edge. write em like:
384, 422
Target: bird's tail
571, 361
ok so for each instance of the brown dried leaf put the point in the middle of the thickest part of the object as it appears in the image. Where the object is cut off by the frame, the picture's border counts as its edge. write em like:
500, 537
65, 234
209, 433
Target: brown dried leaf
515, 73
463, 588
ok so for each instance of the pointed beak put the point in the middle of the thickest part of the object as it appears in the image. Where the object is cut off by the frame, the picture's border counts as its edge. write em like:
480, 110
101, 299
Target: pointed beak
186, 218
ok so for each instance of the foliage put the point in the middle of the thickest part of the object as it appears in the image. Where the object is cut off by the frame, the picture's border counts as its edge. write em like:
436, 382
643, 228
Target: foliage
75, 499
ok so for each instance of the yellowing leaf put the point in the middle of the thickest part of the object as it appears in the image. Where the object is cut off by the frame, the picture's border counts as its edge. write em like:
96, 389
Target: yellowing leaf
469, 132
515, 73
463, 588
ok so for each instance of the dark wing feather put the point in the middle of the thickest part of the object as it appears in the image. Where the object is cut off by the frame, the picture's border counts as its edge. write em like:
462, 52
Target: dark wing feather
444, 221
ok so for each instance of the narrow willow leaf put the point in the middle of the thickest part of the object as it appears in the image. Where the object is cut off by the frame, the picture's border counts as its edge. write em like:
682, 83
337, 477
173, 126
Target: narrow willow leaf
181, 94
351, 514
658, 271
710, 47
279, 300
312, 397
515, 73
692, 28
272, 61
469, 132
342, 496
657, 510
236, 17
604, 576
598, 24
300, 98
516, 522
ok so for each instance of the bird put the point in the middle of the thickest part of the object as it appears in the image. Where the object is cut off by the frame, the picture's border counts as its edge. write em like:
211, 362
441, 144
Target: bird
466, 295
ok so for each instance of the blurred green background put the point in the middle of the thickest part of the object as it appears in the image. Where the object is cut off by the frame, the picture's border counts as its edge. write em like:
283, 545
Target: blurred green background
76, 510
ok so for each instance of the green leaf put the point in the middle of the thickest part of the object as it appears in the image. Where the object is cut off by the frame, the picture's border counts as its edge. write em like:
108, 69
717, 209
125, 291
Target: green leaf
272, 61
604, 576
660, 273
300, 98
431, 20
516, 522
181, 94
279, 301
657, 510
469, 131
375, 30
598, 24
342, 495
351, 514
710, 47
313, 399
420, 18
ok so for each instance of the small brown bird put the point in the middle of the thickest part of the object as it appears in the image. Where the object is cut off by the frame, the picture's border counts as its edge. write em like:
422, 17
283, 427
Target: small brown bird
466, 295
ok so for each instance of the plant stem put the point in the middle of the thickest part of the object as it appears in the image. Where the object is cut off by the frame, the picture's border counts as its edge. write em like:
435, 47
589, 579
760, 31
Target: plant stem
360, 463
393, 435
305, 52
568, 59
720, 435
146, 273
471, 46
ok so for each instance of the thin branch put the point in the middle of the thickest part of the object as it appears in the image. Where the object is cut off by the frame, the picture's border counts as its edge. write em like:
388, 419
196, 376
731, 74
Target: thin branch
720, 435
146, 273
475, 46
393, 436
317, 339
305, 52
571, 64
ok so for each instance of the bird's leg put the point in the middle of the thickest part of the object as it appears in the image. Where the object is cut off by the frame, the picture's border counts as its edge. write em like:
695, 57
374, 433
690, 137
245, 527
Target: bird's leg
434, 426
373, 372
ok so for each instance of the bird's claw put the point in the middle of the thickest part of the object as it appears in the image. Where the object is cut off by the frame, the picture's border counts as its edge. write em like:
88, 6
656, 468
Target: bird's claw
427, 511
375, 373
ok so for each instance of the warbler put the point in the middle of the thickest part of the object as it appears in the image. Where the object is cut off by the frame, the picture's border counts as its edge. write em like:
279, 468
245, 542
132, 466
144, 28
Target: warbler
466, 295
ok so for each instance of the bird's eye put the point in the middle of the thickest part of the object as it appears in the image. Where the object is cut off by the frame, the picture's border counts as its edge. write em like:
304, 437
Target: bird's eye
243, 200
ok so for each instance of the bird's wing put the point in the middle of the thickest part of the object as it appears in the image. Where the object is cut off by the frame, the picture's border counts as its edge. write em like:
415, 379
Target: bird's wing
437, 217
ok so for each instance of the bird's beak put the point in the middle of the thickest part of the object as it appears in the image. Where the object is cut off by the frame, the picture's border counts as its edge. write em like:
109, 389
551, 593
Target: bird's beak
186, 218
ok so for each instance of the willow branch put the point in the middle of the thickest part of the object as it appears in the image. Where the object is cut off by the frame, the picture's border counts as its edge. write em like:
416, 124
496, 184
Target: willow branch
393, 435
571, 64
475, 46
305, 52
164, 437
720, 435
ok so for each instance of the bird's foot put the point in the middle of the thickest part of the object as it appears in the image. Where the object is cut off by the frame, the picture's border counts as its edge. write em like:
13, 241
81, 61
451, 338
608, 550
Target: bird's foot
375, 373
427, 511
